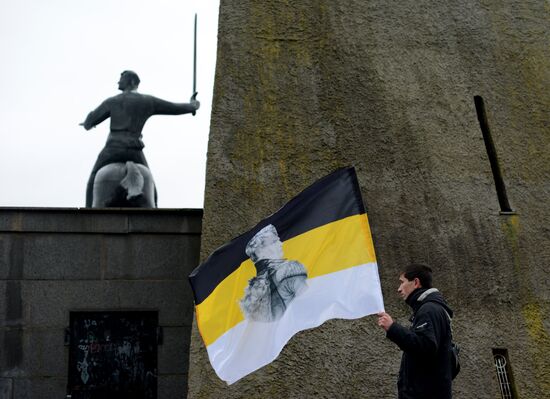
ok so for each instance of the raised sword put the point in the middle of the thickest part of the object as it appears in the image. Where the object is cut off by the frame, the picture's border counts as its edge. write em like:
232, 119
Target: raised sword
194, 96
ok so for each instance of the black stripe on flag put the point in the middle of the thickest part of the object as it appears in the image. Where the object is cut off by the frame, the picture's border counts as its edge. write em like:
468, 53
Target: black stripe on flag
330, 198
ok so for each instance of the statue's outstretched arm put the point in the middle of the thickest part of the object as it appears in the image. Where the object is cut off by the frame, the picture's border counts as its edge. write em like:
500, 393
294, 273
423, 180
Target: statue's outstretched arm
97, 116
163, 107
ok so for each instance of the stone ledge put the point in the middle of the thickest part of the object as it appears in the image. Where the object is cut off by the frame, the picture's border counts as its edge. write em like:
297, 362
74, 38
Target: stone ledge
96, 220
81, 256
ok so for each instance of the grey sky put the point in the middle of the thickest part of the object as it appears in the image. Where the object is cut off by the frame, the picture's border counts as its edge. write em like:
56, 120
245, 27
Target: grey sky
62, 58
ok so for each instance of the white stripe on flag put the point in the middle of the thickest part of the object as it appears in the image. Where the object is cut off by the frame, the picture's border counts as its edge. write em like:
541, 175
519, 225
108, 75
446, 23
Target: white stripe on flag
347, 294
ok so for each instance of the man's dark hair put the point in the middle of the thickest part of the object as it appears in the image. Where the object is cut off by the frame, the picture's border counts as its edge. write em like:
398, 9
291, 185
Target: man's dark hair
134, 78
420, 271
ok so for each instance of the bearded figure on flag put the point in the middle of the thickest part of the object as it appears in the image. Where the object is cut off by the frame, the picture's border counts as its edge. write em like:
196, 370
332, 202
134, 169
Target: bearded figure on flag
278, 281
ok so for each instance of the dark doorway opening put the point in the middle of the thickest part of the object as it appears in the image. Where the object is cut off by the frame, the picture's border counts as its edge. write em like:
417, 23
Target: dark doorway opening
113, 355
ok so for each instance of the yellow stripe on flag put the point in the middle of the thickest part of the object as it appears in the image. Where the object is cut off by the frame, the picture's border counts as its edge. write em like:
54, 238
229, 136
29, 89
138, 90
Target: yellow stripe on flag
327, 249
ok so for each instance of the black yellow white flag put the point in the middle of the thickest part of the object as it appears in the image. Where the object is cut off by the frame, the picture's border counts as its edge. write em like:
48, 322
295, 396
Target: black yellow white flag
311, 261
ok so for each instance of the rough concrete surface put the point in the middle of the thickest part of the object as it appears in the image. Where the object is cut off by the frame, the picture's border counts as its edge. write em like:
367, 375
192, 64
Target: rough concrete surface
305, 87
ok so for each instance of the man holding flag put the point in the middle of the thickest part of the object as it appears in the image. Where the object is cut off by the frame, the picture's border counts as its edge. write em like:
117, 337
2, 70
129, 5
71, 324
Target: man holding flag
425, 371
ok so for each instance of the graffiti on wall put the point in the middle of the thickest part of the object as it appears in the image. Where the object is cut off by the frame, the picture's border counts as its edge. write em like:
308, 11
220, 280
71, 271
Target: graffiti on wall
113, 355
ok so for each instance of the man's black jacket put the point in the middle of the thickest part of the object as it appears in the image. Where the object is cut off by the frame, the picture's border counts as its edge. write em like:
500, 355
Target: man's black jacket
425, 371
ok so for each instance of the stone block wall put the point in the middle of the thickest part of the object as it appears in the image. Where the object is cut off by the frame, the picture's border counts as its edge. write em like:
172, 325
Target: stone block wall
54, 261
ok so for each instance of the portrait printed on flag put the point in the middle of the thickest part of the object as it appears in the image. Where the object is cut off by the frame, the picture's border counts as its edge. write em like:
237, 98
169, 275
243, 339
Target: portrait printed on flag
313, 260
277, 282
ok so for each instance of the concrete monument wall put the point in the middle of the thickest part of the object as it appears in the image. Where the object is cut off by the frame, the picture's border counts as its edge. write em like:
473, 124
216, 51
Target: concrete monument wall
305, 87
56, 261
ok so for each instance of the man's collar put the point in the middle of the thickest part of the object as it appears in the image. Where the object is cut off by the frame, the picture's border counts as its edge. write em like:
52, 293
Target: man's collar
425, 294
416, 298
412, 299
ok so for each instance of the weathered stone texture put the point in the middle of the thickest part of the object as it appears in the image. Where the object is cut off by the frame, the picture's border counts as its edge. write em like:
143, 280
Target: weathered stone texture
304, 87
